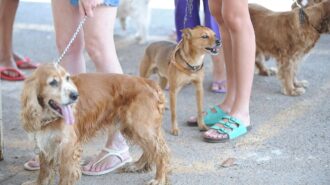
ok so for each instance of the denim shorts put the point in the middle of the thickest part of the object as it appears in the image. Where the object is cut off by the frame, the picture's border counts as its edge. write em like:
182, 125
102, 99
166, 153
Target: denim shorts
113, 3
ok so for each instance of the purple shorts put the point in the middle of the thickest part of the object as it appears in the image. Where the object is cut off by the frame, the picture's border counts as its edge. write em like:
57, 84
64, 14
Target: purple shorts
193, 19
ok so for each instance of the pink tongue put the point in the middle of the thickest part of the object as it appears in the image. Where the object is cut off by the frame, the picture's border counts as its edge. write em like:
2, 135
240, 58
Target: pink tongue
68, 115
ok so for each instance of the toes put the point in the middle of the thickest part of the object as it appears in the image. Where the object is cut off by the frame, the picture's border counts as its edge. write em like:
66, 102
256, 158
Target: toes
213, 134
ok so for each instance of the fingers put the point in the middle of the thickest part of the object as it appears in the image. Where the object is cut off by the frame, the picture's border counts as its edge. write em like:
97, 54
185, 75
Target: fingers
81, 9
86, 7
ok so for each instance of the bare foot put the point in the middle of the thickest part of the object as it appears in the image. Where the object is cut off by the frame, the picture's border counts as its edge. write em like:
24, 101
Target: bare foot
33, 164
9, 63
219, 135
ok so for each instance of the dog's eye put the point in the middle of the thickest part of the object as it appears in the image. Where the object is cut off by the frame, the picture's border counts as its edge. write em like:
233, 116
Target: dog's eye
67, 78
205, 36
53, 83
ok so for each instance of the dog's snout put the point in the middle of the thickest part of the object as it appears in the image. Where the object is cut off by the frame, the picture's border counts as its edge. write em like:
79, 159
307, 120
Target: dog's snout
218, 42
73, 95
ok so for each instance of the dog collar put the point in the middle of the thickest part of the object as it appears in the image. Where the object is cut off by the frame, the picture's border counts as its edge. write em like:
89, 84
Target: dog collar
190, 69
194, 68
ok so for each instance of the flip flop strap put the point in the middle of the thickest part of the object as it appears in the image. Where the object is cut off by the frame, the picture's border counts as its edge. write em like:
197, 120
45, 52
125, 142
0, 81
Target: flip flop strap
110, 152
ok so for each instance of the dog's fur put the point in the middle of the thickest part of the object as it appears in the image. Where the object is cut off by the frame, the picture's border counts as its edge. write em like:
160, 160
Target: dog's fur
283, 36
139, 13
171, 61
108, 102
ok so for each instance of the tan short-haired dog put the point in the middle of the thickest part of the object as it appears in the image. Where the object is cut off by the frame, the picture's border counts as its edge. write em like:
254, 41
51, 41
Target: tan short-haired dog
64, 112
180, 64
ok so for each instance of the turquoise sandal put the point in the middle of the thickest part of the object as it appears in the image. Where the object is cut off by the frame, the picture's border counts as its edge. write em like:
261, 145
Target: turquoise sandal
210, 118
232, 127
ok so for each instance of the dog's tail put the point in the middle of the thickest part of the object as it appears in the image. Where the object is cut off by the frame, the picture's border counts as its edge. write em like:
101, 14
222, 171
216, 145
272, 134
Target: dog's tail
158, 94
146, 66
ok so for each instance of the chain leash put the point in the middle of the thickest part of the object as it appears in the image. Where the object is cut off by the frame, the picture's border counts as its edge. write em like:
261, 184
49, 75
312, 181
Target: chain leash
298, 3
189, 9
302, 14
74, 36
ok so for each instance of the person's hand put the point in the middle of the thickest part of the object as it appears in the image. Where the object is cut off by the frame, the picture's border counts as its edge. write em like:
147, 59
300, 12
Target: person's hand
86, 7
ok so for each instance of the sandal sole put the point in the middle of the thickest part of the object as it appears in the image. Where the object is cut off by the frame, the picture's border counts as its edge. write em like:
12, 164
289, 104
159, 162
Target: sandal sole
88, 173
211, 140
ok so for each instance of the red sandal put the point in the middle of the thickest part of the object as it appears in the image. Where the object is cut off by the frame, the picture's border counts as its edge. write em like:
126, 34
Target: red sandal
26, 63
4, 74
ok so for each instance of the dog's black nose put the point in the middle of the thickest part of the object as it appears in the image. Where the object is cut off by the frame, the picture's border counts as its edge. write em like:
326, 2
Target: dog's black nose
218, 42
73, 95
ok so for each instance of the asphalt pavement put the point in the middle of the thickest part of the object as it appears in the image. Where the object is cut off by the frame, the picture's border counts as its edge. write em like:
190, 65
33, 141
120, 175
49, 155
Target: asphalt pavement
288, 145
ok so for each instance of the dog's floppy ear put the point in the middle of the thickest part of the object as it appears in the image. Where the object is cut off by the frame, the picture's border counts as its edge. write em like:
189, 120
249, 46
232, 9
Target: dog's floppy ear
30, 107
186, 33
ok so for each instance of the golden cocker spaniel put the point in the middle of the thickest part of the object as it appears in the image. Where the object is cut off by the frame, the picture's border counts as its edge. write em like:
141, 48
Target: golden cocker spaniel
62, 112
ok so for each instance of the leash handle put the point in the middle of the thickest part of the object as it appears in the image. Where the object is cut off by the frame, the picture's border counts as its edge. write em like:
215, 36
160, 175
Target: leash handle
82, 22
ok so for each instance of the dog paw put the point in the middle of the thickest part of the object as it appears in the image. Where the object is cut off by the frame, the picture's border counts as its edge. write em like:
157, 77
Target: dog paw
295, 91
269, 72
135, 168
302, 83
175, 131
155, 182
272, 71
203, 127
129, 168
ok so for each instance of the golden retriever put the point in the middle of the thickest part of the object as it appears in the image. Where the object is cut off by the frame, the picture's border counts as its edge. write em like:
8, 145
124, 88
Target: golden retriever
283, 36
63, 112
180, 64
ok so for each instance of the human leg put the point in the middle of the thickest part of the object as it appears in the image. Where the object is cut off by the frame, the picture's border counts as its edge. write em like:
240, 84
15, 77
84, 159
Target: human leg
219, 70
8, 10
66, 19
101, 48
214, 114
215, 8
99, 40
239, 35
237, 19
7, 16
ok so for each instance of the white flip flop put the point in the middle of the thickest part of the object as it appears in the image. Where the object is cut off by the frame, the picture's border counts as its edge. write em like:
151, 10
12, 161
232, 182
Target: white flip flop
28, 167
110, 152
